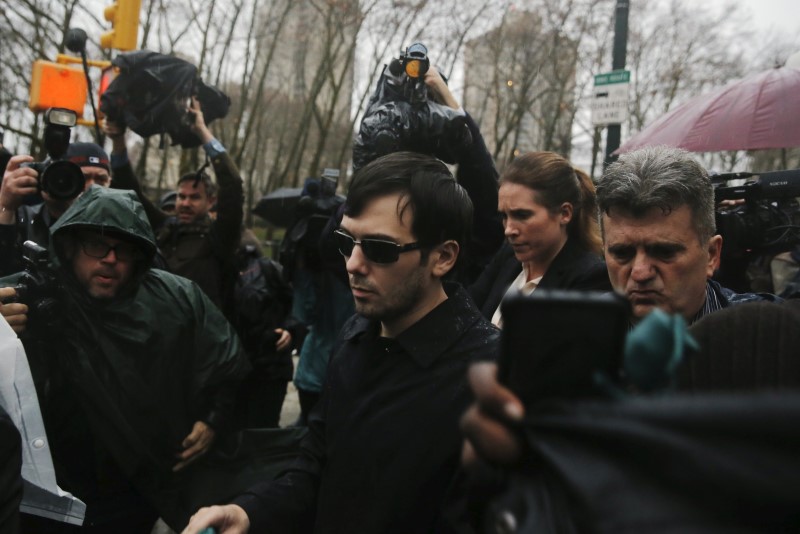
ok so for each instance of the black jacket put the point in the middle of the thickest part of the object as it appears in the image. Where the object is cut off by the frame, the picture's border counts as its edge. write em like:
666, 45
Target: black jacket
384, 443
203, 252
572, 268
478, 176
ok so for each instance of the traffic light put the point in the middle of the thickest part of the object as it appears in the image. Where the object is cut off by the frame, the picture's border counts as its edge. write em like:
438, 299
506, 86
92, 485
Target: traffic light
124, 18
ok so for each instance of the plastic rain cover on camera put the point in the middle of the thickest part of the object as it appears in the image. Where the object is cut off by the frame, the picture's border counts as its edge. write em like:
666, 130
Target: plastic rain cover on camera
42, 496
151, 92
675, 463
391, 123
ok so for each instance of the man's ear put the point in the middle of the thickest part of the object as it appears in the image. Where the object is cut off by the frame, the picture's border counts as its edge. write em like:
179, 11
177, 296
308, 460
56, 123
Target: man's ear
444, 257
714, 252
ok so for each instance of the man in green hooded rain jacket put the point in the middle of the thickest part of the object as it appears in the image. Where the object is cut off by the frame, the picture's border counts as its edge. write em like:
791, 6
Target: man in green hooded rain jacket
136, 379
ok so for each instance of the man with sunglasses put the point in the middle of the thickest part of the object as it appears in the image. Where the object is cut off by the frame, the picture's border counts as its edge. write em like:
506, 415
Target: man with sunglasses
383, 444
138, 377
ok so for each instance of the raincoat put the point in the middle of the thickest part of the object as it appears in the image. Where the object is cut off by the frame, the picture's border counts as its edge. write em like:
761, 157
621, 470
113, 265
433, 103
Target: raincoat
126, 378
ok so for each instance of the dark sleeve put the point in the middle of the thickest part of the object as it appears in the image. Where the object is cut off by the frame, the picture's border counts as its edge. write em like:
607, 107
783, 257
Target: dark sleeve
487, 282
9, 250
230, 203
124, 178
595, 278
478, 175
220, 364
10, 477
288, 503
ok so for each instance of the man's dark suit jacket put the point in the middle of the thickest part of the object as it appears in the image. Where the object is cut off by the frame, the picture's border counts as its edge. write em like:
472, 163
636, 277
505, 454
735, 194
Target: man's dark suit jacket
572, 268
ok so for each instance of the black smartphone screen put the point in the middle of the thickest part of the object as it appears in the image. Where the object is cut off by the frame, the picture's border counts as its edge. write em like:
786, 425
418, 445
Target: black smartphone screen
554, 342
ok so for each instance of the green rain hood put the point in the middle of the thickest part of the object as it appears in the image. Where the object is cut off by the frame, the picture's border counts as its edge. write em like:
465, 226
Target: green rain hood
146, 365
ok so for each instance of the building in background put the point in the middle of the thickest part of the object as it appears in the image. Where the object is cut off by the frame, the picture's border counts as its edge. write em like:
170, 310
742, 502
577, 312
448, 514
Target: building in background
519, 85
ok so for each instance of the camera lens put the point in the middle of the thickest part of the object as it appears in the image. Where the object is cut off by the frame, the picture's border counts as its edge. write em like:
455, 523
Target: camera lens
62, 180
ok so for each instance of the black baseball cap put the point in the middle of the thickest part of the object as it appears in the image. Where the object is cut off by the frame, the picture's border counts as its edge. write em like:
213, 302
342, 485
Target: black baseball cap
88, 155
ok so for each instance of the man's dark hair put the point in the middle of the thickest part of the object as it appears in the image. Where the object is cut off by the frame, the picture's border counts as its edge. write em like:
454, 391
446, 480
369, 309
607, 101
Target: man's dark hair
441, 208
205, 179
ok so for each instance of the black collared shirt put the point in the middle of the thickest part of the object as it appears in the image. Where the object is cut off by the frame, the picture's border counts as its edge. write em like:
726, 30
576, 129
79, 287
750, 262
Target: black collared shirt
384, 442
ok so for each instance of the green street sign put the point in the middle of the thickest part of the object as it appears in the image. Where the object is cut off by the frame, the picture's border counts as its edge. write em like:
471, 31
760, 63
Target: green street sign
609, 103
608, 78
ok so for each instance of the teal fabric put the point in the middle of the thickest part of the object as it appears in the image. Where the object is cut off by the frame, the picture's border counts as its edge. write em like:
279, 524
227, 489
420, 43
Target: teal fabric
654, 349
323, 304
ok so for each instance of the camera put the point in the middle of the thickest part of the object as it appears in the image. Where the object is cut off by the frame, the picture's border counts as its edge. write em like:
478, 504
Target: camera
62, 180
401, 115
768, 220
38, 287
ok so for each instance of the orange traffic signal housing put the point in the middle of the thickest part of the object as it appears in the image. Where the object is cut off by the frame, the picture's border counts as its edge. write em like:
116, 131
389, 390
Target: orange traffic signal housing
57, 86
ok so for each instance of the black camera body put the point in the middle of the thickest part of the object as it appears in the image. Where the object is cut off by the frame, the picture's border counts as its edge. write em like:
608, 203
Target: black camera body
39, 287
768, 220
401, 115
61, 179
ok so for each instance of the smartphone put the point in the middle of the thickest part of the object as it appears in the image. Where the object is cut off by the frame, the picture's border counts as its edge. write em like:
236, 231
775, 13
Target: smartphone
555, 343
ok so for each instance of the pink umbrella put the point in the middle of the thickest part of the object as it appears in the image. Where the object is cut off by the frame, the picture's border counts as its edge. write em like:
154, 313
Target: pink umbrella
756, 112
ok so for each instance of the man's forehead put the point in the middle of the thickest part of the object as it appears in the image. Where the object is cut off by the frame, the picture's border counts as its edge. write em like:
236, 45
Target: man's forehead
386, 215
188, 187
656, 224
94, 171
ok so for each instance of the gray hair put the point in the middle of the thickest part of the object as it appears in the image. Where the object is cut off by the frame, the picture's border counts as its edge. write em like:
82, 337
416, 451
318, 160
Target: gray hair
659, 177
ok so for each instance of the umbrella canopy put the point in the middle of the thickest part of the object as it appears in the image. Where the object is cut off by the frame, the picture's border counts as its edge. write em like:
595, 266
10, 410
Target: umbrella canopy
278, 207
757, 112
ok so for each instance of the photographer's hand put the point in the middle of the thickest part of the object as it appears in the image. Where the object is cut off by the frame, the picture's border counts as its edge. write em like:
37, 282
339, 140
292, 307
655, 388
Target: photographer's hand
228, 519
116, 133
284, 339
15, 313
486, 423
441, 93
199, 125
17, 183
195, 444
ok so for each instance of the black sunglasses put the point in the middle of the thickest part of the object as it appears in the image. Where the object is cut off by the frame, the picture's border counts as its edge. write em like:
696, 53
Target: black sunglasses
375, 250
99, 249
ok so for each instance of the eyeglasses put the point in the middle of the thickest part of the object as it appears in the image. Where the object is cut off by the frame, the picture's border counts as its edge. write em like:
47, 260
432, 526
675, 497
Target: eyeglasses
375, 250
100, 249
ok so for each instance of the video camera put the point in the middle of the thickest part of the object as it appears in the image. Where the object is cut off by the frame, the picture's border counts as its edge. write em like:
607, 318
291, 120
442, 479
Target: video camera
38, 287
61, 179
317, 204
768, 220
401, 115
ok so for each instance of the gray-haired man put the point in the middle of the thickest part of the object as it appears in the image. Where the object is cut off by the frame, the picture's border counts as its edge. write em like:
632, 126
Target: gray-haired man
661, 247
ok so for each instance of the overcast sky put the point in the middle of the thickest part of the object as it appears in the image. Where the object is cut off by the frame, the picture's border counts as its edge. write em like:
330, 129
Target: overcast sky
771, 15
